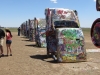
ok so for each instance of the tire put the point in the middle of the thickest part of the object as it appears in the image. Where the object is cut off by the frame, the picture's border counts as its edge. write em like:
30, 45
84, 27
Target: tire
92, 30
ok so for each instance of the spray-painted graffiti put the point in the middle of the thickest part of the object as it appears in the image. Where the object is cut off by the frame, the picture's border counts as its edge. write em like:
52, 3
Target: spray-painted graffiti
42, 38
63, 37
31, 30
43, 41
52, 44
70, 45
31, 35
96, 35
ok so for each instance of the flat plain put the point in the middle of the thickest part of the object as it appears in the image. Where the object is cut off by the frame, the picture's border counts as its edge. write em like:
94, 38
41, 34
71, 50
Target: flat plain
28, 59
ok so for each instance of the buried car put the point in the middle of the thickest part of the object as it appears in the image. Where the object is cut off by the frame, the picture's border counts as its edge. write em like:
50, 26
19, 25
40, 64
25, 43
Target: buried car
39, 25
64, 36
70, 42
41, 38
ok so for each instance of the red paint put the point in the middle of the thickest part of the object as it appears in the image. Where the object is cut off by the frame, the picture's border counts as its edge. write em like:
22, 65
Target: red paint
61, 12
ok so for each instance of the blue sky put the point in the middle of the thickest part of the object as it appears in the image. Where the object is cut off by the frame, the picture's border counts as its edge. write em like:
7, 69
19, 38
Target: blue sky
15, 12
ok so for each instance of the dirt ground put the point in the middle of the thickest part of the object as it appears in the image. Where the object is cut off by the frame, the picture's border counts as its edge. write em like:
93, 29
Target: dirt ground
28, 59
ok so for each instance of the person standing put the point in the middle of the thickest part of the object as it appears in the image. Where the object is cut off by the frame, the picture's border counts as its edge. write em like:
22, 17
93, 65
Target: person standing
19, 31
2, 35
8, 41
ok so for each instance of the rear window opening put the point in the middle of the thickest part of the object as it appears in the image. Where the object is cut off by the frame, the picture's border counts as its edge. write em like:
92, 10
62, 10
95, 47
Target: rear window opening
65, 24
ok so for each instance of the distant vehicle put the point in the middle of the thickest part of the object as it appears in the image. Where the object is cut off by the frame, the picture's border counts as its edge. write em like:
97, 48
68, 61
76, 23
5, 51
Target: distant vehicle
23, 28
31, 30
40, 32
42, 38
64, 36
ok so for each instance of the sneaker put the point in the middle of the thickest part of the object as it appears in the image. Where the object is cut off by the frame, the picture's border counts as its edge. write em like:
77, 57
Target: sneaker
54, 57
10, 54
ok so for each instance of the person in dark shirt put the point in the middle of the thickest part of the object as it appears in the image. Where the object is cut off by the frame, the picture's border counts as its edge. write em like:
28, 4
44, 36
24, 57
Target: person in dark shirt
2, 35
19, 31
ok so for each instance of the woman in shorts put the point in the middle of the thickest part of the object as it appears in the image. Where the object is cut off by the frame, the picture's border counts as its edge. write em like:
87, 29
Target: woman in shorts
8, 41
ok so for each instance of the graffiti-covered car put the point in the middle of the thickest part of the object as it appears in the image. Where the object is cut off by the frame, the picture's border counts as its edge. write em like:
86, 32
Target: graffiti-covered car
64, 36
70, 42
95, 33
39, 24
42, 38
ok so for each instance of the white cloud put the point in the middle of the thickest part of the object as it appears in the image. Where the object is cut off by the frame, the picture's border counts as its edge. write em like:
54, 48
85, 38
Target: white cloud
95, 0
54, 1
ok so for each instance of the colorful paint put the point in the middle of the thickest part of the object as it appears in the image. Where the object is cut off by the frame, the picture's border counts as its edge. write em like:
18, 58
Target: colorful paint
56, 14
95, 33
70, 46
52, 43
31, 31
64, 35
42, 38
